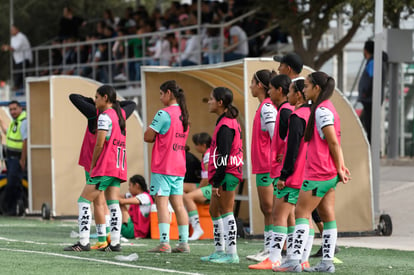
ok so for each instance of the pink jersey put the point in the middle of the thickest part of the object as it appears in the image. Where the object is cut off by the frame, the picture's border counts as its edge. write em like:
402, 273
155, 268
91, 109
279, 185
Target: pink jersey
112, 160
296, 178
88, 145
235, 160
86, 152
319, 163
260, 144
141, 222
168, 153
278, 145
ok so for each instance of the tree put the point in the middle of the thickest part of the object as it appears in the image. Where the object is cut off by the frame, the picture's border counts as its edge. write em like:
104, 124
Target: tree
306, 21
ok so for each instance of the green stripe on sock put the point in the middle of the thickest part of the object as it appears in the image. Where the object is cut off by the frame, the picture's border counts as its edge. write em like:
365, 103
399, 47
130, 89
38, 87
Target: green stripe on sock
311, 232
216, 218
280, 229
109, 202
192, 213
291, 229
227, 214
82, 199
268, 228
302, 221
329, 225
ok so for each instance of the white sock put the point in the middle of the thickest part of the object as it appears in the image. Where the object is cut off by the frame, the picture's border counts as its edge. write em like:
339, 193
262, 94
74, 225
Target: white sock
218, 232
195, 222
101, 231
289, 241
84, 221
116, 221
300, 237
308, 246
278, 239
267, 240
329, 237
108, 221
230, 228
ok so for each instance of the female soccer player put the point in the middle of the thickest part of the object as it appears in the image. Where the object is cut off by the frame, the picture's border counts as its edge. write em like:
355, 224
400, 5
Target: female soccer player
86, 106
169, 131
202, 194
324, 168
262, 133
107, 168
224, 173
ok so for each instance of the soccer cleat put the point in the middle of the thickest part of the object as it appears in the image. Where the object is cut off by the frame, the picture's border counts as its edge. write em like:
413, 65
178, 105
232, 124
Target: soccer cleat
288, 267
108, 238
181, 248
99, 245
322, 266
215, 255
77, 247
265, 265
197, 233
227, 259
161, 248
111, 248
260, 256
305, 265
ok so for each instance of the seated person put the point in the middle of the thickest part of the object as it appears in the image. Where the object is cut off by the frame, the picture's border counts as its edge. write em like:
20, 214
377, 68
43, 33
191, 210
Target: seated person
193, 170
202, 194
136, 218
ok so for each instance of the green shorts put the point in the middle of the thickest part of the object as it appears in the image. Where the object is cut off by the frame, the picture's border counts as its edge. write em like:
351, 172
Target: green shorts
319, 188
289, 194
127, 229
206, 190
263, 180
87, 176
274, 182
103, 182
230, 182
165, 185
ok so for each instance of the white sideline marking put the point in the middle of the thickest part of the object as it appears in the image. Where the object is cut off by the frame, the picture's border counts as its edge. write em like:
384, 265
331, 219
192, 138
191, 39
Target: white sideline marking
11, 240
99, 261
398, 189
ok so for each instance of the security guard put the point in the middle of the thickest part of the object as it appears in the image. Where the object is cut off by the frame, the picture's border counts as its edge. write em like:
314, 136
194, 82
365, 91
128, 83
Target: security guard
16, 153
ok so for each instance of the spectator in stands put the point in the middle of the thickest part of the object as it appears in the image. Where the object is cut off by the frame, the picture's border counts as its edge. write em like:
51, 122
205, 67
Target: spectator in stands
22, 55
192, 53
126, 19
237, 44
109, 19
102, 56
69, 56
136, 218
161, 51
212, 45
70, 24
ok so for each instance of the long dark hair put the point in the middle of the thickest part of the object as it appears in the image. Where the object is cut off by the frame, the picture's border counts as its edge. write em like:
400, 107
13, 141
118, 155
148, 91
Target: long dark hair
179, 96
327, 85
298, 86
111, 93
225, 94
202, 138
282, 81
138, 179
264, 76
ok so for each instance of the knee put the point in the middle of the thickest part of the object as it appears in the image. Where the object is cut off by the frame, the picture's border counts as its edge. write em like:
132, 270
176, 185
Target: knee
266, 209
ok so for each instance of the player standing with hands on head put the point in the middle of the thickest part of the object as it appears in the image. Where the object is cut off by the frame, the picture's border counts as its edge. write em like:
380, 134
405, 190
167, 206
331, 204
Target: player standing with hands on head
324, 168
225, 173
169, 131
107, 170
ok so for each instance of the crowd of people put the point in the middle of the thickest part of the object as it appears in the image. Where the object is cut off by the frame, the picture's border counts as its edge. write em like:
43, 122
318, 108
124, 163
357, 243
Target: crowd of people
296, 156
157, 41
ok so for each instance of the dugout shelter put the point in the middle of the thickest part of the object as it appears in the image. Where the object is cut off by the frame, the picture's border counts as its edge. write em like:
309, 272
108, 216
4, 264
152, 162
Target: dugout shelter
354, 203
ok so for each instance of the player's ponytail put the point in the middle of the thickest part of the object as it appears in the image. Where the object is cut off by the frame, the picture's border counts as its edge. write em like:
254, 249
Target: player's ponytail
327, 86
180, 97
226, 95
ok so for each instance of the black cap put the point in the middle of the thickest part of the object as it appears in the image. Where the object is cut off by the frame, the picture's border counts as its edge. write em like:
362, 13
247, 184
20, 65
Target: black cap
292, 60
